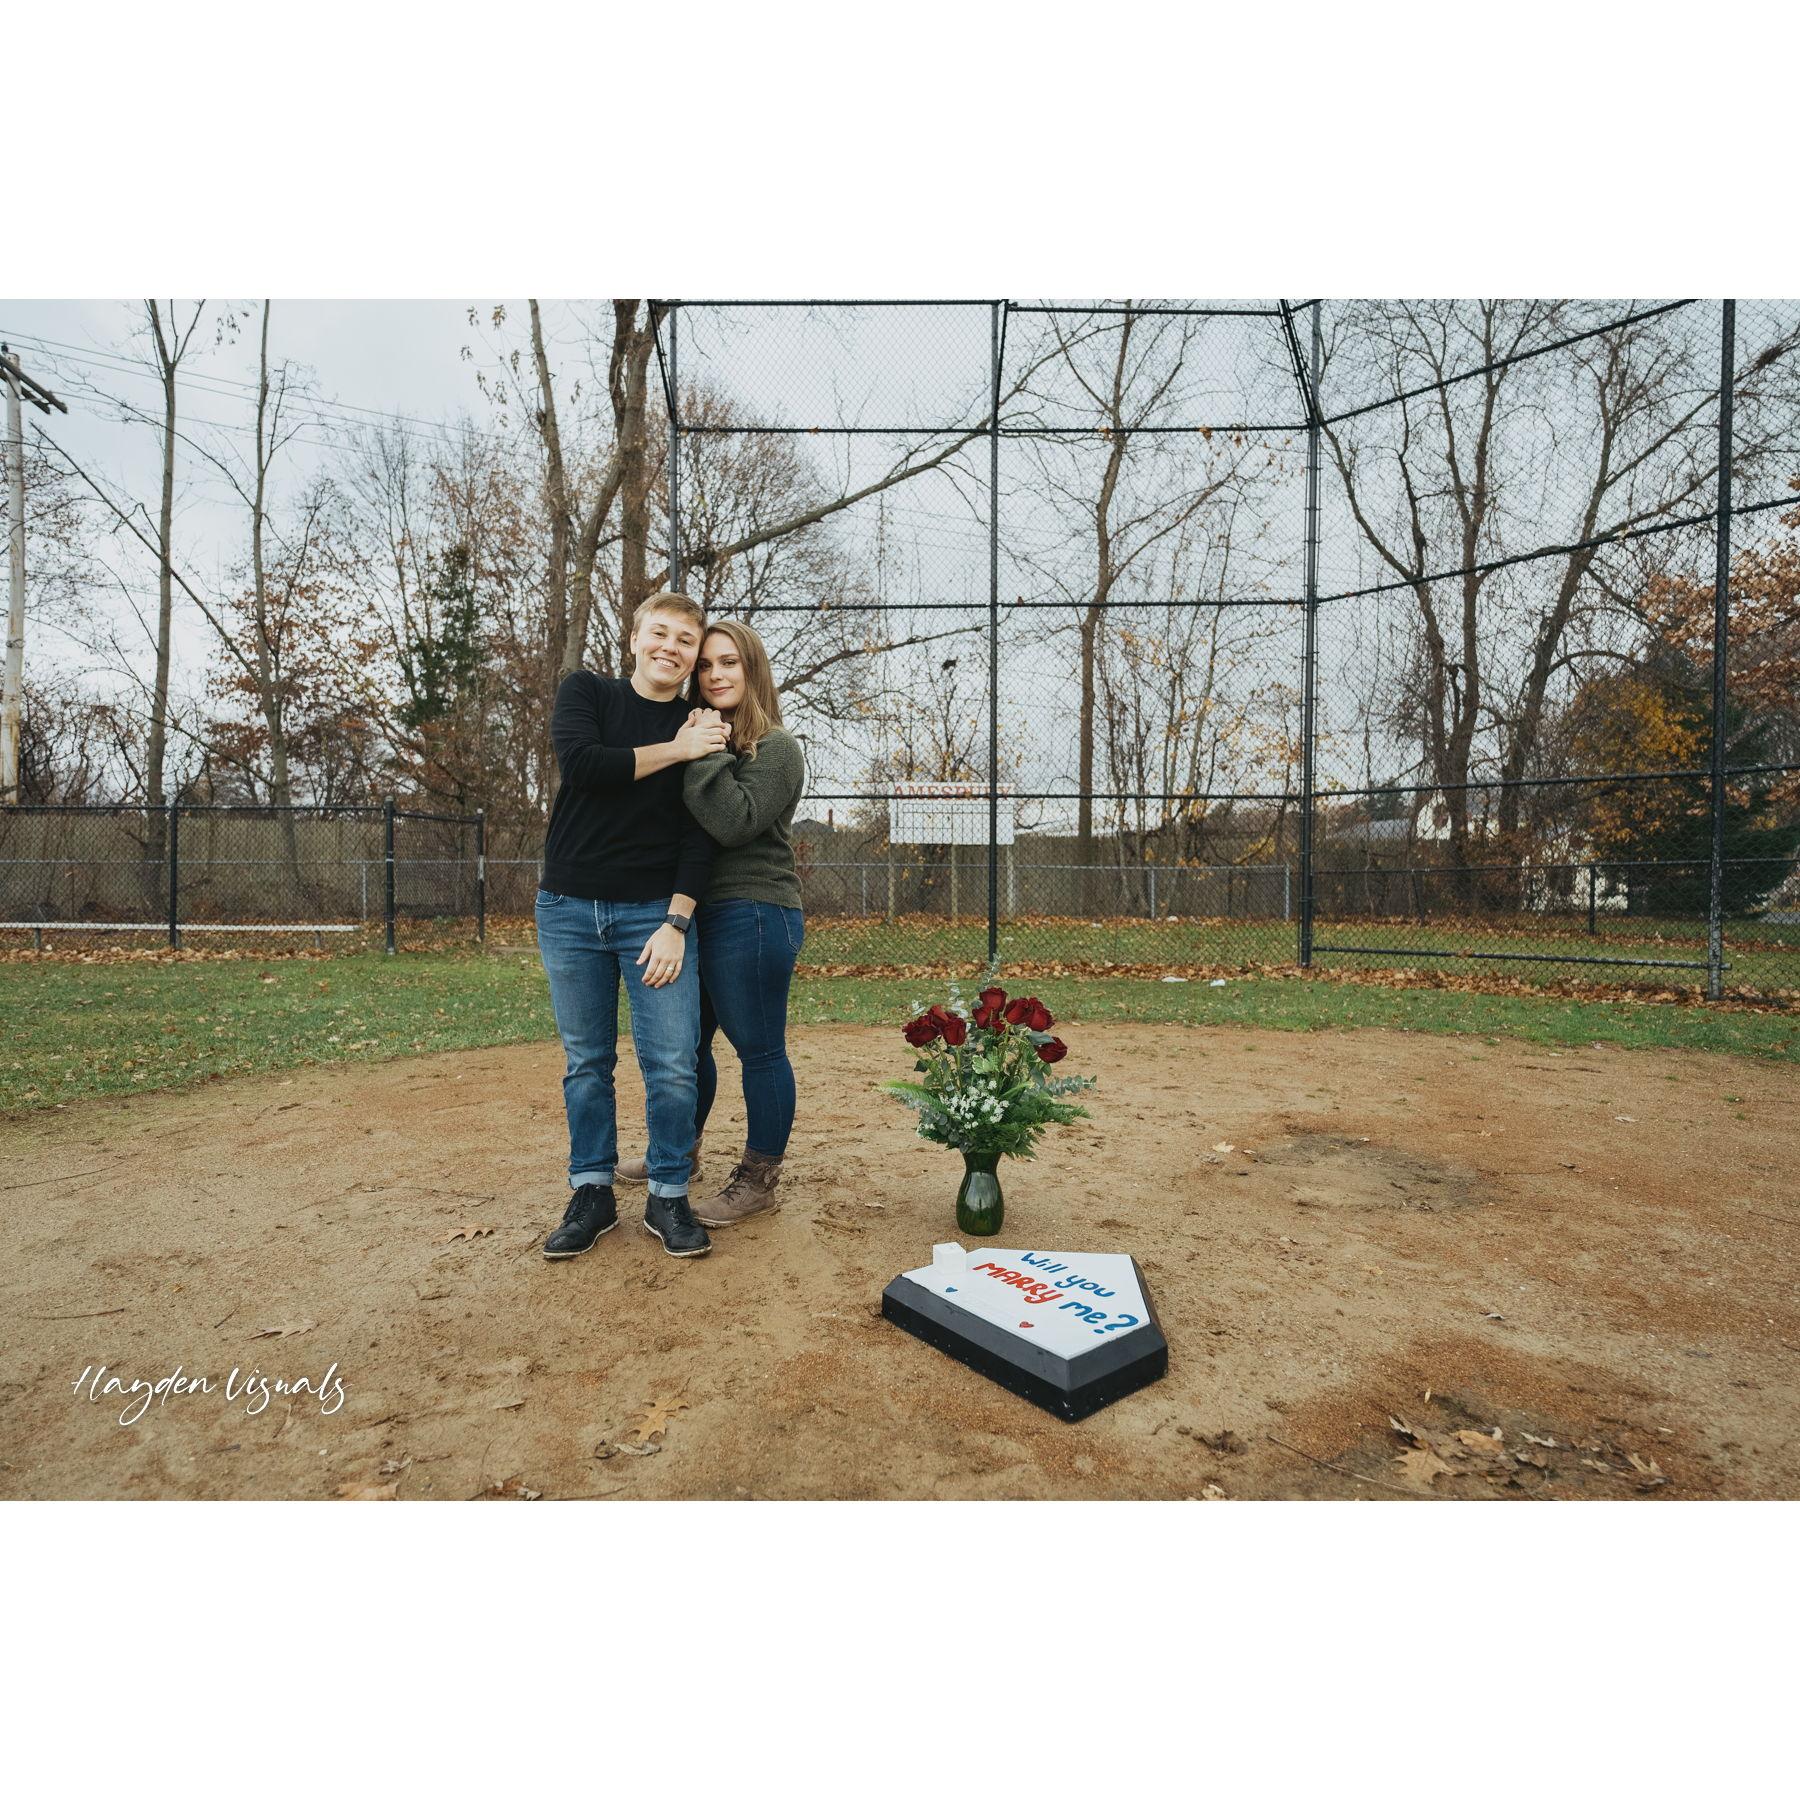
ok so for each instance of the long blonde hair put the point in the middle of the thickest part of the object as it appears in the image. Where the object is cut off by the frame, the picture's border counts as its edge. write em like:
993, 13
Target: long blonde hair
759, 711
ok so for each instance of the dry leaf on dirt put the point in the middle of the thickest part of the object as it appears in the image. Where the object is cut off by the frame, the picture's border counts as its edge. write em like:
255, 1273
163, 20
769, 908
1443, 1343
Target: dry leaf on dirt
367, 1490
1212, 1491
1484, 1442
1404, 1429
1420, 1468
656, 1418
294, 1330
471, 1232
393, 1467
637, 1449
1623, 1119
506, 1405
1547, 1443
1224, 1149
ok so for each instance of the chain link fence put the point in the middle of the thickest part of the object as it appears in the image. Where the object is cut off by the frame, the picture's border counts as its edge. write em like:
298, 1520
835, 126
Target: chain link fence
1442, 635
1439, 635
216, 876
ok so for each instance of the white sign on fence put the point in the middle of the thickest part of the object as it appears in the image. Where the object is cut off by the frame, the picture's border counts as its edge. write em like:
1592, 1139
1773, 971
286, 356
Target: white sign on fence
946, 812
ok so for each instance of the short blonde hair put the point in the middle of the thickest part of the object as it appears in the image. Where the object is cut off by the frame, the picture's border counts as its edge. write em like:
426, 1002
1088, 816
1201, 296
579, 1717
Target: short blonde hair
679, 604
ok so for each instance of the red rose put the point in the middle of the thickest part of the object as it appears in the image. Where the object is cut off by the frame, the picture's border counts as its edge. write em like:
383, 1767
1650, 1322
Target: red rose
1039, 1018
1018, 1011
920, 1031
991, 999
1054, 1051
955, 1031
989, 1018
940, 1015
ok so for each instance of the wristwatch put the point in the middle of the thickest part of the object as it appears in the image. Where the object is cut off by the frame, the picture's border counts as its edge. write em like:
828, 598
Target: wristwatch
680, 921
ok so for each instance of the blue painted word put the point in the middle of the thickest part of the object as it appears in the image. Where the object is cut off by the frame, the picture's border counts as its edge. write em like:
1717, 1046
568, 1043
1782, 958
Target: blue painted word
1074, 1281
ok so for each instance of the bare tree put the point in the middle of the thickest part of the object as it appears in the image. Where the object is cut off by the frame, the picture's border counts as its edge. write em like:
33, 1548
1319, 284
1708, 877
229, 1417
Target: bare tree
1516, 425
170, 340
1125, 375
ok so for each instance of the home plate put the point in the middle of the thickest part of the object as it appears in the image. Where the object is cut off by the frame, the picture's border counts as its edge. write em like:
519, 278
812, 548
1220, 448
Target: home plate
1071, 1331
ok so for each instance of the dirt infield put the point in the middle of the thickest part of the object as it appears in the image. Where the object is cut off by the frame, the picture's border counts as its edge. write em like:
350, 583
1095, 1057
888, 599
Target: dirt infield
1371, 1253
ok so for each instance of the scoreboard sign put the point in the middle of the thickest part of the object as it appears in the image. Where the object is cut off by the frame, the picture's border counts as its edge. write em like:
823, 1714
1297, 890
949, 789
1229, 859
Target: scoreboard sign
946, 812
1071, 1331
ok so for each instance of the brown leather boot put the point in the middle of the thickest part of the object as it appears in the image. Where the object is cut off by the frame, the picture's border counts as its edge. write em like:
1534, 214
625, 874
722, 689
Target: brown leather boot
634, 1168
751, 1190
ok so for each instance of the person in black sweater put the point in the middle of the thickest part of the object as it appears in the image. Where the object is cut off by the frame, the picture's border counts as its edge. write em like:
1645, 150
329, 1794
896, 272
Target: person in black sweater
623, 866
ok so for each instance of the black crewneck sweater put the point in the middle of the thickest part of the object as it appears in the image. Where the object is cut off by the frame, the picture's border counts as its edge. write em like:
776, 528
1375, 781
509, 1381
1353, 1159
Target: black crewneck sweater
612, 837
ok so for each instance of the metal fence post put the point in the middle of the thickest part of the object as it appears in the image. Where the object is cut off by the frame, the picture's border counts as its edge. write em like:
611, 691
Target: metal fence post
1593, 904
674, 450
174, 876
1715, 907
481, 876
993, 835
1310, 652
387, 815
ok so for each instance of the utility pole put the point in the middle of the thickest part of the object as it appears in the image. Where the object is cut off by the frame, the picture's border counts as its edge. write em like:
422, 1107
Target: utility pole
19, 386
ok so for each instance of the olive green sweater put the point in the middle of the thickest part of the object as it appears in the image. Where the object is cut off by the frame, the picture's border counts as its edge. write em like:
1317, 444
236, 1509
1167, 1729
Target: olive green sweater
745, 804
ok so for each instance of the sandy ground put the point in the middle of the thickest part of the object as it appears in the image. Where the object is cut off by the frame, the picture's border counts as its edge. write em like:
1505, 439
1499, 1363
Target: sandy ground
1592, 1253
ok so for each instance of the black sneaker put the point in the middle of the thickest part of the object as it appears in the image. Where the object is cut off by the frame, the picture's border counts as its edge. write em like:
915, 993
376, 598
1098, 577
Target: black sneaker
593, 1212
672, 1221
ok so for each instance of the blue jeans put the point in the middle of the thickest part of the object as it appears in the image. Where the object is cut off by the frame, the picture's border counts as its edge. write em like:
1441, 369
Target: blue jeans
747, 954
586, 946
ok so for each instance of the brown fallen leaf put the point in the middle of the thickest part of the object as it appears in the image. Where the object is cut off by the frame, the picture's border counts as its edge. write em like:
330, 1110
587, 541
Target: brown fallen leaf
471, 1232
1224, 1149
1212, 1491
367, 1490
1420, 1468
656, 1418
506, 1405
294, 1330
1485, 1443
1403, 1429
638, 1449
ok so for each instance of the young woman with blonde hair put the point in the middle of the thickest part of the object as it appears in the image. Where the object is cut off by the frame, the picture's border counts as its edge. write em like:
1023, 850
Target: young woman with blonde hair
749, 924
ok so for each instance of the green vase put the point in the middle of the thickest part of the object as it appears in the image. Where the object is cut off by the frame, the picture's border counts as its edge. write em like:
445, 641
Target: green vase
980, 1206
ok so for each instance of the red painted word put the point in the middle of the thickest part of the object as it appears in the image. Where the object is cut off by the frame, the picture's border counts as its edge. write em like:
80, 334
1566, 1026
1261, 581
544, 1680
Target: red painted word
1034, 1293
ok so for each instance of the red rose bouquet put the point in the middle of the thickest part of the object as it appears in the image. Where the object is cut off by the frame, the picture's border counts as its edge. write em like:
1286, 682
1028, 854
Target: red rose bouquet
986, 1089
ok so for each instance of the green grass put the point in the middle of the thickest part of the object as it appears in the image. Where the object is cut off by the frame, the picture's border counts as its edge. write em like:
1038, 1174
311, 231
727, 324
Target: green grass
1764, 957
80, 1030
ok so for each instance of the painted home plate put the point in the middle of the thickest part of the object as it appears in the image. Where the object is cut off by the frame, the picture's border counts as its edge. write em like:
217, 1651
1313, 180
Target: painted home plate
1071, 1331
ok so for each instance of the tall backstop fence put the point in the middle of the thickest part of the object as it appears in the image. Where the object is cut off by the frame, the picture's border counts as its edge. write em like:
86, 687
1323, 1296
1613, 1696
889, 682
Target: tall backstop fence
1457, 634
212, 875
1446, 635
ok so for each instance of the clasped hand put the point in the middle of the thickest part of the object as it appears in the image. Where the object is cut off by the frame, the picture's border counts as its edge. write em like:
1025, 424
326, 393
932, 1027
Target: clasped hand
704, 733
